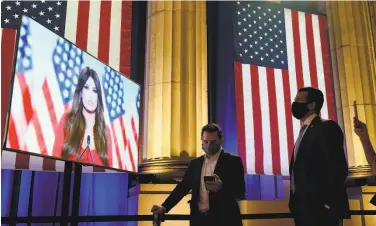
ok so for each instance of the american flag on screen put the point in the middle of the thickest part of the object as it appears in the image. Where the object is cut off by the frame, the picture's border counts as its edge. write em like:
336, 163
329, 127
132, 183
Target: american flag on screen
277, 51
103, 28
113, 88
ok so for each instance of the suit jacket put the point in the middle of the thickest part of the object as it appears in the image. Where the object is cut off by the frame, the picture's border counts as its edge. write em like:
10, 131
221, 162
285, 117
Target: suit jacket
223, 204
320, 169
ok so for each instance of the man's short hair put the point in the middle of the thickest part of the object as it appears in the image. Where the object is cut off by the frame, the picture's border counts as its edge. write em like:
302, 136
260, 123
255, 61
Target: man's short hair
314, 95
211, 128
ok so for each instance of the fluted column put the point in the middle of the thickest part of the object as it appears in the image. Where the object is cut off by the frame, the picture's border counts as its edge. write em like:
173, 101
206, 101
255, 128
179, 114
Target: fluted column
372, 11
353, 58
175, 94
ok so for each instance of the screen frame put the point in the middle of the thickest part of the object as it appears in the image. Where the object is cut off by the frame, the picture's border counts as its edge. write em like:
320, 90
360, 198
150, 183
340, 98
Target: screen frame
6, 128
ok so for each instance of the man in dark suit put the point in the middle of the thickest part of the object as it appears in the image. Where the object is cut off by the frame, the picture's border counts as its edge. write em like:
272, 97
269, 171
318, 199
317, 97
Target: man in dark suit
318, 166
213, 203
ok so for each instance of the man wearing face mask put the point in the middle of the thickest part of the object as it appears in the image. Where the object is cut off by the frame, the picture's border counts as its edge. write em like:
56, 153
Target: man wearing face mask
217, 183
318, 166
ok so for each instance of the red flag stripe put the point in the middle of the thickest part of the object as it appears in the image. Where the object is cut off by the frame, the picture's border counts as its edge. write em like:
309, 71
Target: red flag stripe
126, 143
8, 38
125, 39
50, 105
29, 112
289, 123
82, 24
104, 32
297, 49
274, 132
257, 119
131, 156
134, 130
12, 136
116, 145
240, 113
311, 51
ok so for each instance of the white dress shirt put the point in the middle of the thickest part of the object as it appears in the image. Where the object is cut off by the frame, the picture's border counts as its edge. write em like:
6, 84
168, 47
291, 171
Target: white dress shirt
306, 122
208, 167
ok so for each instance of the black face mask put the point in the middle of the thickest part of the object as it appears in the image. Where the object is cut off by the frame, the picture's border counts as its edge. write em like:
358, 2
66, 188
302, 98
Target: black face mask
211, 148
299, 110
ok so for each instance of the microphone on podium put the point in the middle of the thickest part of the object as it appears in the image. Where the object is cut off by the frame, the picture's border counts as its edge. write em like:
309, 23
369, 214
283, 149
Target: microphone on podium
88, 140
87, 148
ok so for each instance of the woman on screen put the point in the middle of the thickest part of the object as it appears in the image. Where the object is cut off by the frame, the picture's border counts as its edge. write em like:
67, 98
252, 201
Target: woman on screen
84, 126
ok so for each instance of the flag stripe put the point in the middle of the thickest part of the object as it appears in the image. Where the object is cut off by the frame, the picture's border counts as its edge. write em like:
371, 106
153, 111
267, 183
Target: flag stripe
311, 50
116, 146
289, 120
39, 135
8, 37
286, 137
26, 98
240, 109
319, 65
134, 130
115, 31
327, 71
104, 31
294, 63
257, 119
13, 138
50, 105
123, 137
23, 160
82, 24
274, 129
125, 40
297, 49
131, 156
249, 125
70, 32
265, 120
93, 28
304, 49
127, 161
55, 113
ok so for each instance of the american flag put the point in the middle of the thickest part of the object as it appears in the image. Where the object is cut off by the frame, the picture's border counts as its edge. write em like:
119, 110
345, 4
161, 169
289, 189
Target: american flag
103, 28
114, 92
277, 51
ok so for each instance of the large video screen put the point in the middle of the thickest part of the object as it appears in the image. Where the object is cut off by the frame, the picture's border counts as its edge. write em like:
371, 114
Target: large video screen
68, 105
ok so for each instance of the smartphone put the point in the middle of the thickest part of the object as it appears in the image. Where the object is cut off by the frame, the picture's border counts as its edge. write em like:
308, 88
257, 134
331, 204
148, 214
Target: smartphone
355, 114
209, 178
355, 110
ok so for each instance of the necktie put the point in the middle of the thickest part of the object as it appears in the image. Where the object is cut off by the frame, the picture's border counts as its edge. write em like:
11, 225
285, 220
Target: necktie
301, 132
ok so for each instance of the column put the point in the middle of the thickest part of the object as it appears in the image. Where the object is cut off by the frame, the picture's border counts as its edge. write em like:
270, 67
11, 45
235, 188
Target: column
352, 46
372, 11
176, 103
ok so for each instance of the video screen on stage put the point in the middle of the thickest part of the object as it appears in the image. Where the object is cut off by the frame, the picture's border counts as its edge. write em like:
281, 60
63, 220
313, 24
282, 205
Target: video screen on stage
68, 105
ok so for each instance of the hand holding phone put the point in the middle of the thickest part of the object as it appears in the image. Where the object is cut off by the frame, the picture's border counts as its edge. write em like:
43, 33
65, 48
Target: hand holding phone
356, 122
